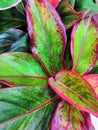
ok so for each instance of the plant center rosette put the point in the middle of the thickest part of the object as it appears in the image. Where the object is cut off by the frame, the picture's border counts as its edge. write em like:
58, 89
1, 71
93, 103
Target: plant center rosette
40, 83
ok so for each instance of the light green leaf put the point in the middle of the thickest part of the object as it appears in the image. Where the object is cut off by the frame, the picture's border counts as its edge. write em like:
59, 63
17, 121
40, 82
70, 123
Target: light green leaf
6, 4
21, 69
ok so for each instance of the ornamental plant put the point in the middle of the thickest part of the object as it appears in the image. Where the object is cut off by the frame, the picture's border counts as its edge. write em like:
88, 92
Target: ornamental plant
48, 74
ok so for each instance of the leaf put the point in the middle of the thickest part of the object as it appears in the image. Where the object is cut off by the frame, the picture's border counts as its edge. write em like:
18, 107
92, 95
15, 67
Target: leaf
7, 20
67, 117
17, 42
24, 104
95, 69
93, 80
73, 88
82, 5
47, 35
68, 14
84, 45
21, 69
6, 4
55, 3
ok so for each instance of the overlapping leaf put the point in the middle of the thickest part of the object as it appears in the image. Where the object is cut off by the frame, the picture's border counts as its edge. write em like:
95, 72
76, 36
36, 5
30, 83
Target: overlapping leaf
47, 35
68, 14
20, 106
93, 80
84, 44
74, 89
67, 117
6, 4
82, 5
17, 42
21, 69
12, 18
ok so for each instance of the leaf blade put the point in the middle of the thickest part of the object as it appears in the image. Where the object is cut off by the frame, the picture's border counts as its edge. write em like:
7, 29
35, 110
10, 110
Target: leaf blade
84, 44
43, 43
25, 101
20, 69
67, 85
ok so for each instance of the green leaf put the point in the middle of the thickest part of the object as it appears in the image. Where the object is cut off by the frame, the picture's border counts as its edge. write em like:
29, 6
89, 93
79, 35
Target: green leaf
11, 43
73, 88
84, 44
26, 108
7, 20
6, 4
68, 14
95, 69
67, 117
21, 69
82, 5
47, 35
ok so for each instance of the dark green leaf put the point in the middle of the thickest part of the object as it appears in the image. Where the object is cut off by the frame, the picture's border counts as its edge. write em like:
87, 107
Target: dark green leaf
12, 18
82, 5
11, 43
68, 14
26, 108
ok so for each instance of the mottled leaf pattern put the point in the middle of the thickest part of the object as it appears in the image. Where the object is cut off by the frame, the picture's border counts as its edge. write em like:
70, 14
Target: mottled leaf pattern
21, 69
67, 117
73, 88
84, 44
47, 35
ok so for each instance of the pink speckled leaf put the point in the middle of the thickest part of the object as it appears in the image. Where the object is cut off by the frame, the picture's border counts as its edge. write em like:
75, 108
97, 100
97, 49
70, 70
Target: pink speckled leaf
73, 88
84, 44
47, 34
54, 3
67, 117
93, 80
